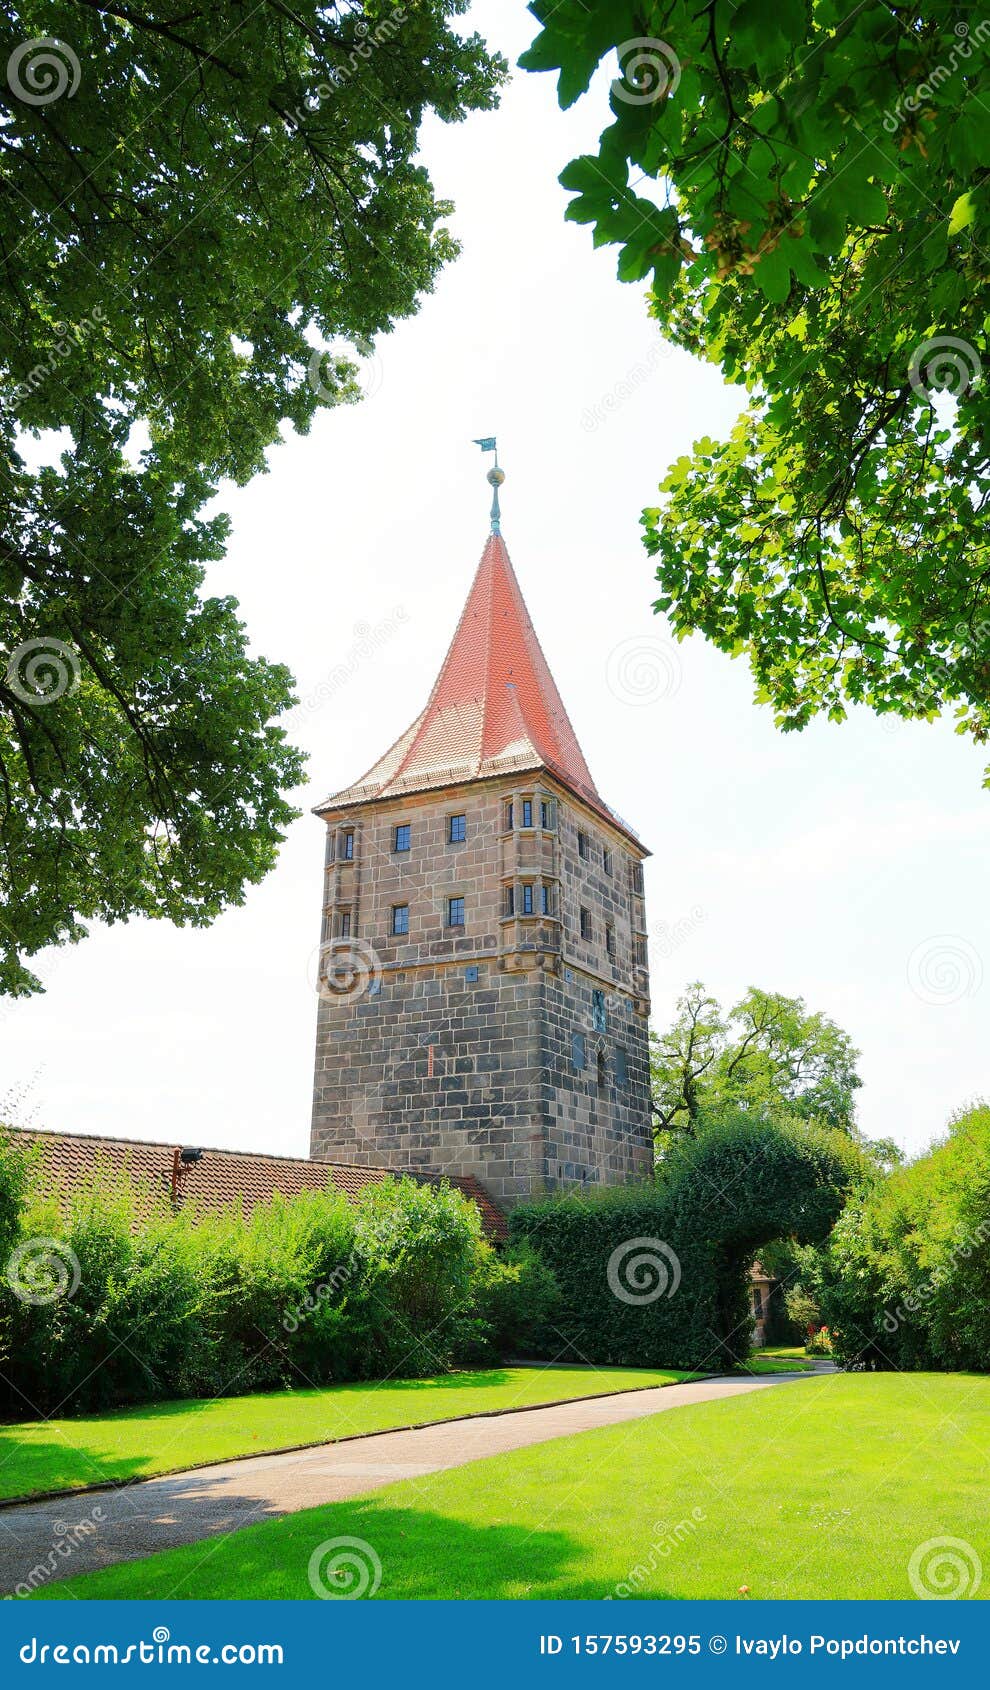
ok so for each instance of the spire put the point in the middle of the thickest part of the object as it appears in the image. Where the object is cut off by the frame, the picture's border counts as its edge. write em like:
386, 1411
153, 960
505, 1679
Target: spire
495, 478
494, 708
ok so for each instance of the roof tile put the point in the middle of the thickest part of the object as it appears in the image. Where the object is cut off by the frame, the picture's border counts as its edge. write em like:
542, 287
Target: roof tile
224, 1177
494, 708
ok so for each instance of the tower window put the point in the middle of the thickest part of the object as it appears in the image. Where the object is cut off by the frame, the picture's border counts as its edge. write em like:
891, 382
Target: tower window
546, 901
577, 1052
347, 846
527, 893
344, 924
400, 918
546, 813
607, 860
585, 923
639, 951
602, 1070
527, 812
610, 940
509, 817
455, 912
457, 831
598, 1012
582, 844
510, 900
403, 837
621, 1066
636, 878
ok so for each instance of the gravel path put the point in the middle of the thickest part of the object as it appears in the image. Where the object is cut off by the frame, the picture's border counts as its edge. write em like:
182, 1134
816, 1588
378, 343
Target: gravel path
137, 1520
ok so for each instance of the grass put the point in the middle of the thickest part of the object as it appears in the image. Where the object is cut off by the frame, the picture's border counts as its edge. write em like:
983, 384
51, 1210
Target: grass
43, 1455
824, 1488
776, 1361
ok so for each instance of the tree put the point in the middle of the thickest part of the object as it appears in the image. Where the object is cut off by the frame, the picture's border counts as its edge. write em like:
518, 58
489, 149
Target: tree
822, 236
768, 1051
203, 211
905, 1279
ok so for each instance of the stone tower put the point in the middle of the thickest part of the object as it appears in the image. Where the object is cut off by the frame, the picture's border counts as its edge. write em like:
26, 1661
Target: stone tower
484, 989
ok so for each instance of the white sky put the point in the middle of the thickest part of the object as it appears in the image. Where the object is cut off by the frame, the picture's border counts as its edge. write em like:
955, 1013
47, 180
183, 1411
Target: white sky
847, 864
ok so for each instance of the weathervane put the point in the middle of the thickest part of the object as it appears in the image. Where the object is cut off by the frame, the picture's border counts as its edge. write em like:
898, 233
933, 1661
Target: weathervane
496, 477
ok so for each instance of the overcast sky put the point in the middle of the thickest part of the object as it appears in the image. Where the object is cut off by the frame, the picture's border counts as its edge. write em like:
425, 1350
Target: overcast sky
847, 864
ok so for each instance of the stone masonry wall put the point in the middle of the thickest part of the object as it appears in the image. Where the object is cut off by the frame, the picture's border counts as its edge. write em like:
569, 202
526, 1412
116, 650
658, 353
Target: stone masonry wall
452, 1049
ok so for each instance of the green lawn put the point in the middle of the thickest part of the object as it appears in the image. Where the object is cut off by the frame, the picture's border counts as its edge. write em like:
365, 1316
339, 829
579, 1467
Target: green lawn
41, 1455
820, 1488
776, 1361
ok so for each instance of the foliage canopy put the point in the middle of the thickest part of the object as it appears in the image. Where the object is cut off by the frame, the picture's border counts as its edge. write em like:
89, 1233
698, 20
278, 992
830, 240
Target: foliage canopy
201, 212
905, 1280
807, 188
768, 1052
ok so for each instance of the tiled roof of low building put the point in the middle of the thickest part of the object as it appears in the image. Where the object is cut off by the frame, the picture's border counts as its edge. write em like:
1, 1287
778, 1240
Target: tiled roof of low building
225, 1177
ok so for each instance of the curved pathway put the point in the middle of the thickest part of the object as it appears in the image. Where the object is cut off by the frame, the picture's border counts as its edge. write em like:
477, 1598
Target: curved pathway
126, 1524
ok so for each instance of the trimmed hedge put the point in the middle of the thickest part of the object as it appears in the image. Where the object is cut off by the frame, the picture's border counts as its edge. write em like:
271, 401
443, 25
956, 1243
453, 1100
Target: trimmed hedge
905, 1282
152, 1304
657, 1275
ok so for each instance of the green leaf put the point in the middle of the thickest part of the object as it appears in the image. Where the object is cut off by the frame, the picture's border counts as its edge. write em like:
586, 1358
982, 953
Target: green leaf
773, 274
962, 215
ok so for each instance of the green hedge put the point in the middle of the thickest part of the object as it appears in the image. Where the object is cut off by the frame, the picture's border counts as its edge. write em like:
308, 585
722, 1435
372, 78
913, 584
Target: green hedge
658, 1274
905, 1282
155, 1304
152, 1304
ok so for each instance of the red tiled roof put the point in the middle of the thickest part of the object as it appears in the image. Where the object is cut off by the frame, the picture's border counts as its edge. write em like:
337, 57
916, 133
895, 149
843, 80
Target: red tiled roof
494, 708
224, 1176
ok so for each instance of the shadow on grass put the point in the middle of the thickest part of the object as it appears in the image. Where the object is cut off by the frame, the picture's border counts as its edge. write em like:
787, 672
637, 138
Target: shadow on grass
434, 1382
421, 1555
62, 1456
52, 1464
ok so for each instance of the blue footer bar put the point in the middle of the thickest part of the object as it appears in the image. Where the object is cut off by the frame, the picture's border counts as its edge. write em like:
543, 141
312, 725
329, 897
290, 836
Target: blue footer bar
501, 1645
